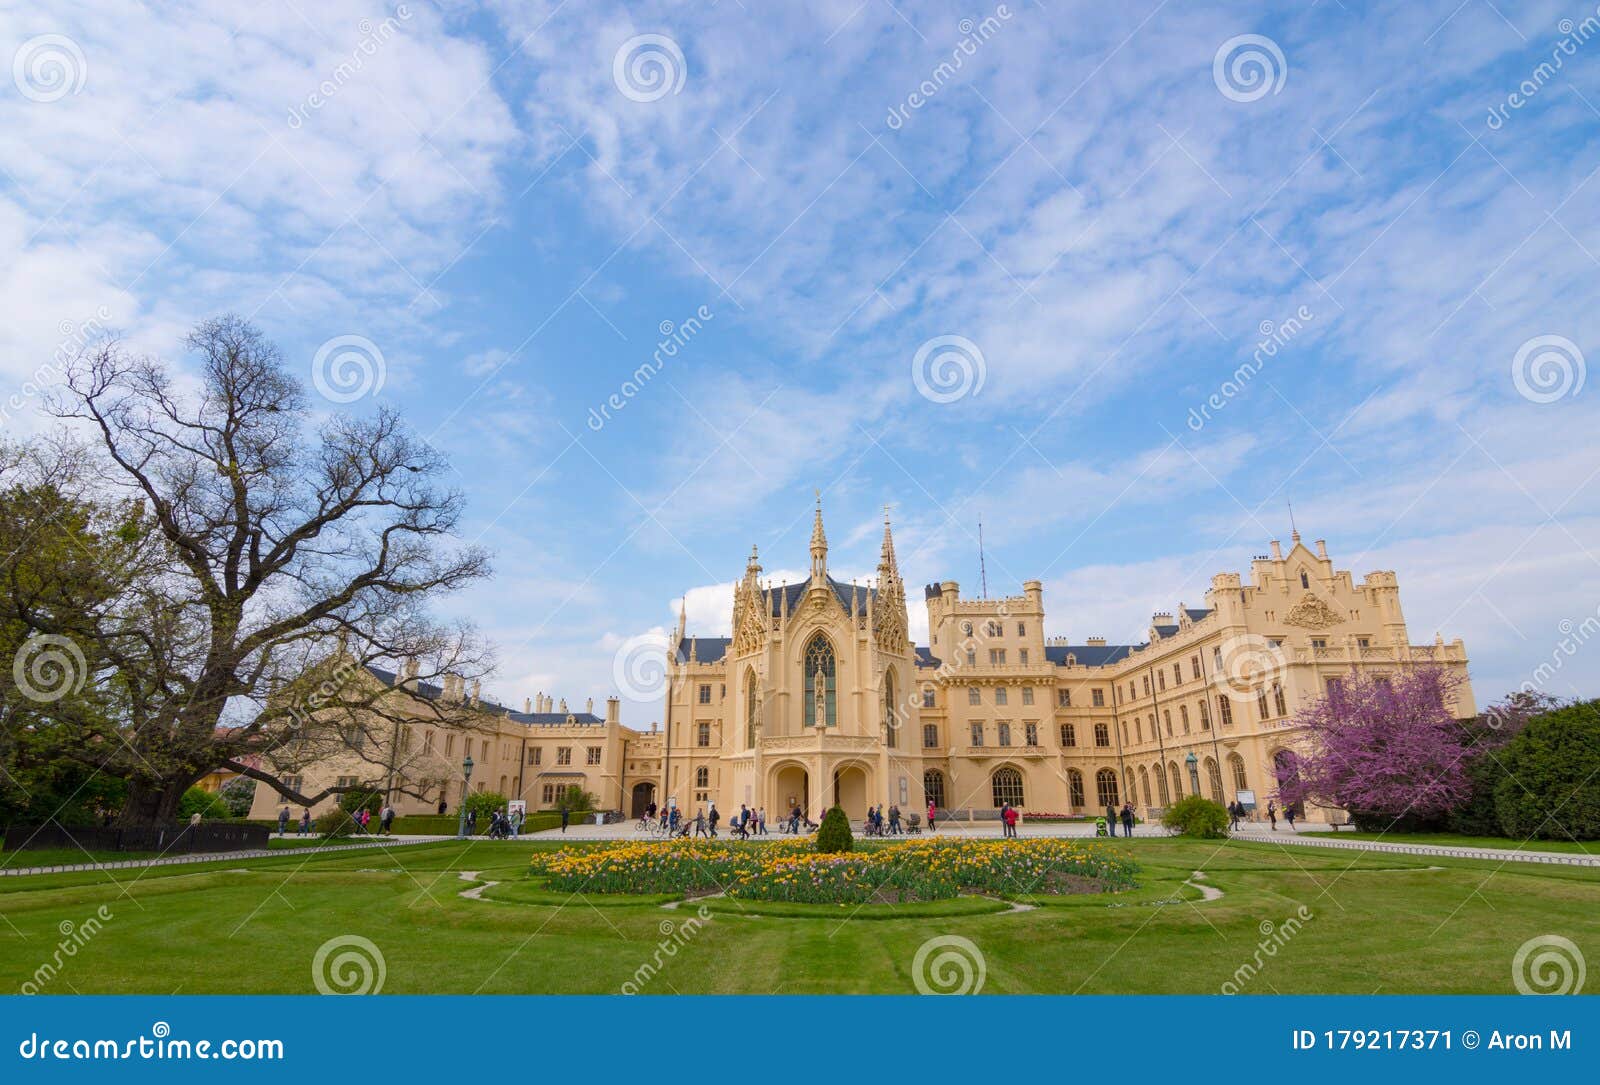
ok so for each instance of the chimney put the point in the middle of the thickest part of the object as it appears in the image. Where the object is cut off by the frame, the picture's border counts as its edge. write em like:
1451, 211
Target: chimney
477, 688
563, 708
1277, 551
589, 706
1322, 549
527, 706
452, 688
408, 673
1097, 642
614, 711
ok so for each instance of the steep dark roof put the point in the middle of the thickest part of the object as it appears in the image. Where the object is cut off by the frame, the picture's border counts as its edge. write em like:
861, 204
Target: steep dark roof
1164, 631
1195, 615
926, 658
1089, 655
432, 692
706, 649
787, 596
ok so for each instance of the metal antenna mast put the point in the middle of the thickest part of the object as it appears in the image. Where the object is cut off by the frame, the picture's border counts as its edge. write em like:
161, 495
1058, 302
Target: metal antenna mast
983, 571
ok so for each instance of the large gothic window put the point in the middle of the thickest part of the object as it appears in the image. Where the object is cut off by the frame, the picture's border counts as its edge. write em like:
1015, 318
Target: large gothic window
819, 658
1007, 787
750, 709
933, 787
1075, 788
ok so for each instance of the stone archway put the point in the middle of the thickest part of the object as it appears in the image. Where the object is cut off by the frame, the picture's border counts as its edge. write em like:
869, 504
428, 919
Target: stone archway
642, 794
852, 790
789, 786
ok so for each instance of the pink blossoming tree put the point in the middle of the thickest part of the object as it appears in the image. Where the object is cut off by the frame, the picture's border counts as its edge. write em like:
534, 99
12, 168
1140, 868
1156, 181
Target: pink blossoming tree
1385, 745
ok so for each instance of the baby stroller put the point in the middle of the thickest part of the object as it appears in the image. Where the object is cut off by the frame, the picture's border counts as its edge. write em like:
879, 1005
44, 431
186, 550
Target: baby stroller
1100, 826
913, 825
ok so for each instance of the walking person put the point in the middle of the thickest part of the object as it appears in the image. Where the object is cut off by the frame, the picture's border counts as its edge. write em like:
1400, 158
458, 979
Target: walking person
386, 820
699, 823
283, 819
933, 811
761, 821
472, 822
1272, 813
1290, 812
366, 816
894, 820
712, 817
1127, 819
566, 817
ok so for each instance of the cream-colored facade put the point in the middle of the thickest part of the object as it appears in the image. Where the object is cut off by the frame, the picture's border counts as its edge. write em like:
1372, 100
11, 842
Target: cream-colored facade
820, 697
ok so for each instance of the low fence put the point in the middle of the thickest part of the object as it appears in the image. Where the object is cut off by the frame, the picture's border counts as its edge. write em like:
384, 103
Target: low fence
174, 839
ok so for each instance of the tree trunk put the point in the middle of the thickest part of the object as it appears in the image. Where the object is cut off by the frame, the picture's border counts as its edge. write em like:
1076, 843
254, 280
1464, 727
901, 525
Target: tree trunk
151, 803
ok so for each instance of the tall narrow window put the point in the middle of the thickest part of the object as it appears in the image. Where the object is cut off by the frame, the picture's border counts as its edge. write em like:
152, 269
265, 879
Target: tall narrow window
821, 678
1105, 788
891, 720
1278, 701
1075, 787
750, 707
1214, 779
1225, 709
1236, 766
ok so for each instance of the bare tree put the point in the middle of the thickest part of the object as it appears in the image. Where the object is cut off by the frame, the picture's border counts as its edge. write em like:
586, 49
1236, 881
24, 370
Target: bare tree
278, 563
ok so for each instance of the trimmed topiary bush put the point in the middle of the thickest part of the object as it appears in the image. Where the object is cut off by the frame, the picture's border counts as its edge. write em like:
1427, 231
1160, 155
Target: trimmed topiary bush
335, 822
834, 835
1551, 789
1196, 816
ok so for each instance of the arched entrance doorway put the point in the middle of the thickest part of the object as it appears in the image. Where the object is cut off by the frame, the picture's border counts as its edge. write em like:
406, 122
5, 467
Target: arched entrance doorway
850, 790
791, 787
642, 794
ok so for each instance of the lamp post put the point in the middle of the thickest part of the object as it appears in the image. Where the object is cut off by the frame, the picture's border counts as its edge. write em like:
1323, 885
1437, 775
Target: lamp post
466, 789
1194, 772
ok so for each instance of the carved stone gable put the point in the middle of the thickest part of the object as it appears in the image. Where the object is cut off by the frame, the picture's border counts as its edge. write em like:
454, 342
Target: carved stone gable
1312, 613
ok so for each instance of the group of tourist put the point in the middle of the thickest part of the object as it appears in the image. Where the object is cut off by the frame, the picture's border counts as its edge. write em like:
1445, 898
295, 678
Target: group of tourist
879, 824
1124, 815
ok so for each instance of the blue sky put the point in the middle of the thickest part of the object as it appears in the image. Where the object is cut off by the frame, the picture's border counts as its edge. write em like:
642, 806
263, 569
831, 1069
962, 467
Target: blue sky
1097, 200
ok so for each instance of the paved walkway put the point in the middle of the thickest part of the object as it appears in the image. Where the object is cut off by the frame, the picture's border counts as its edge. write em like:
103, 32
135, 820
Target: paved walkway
9, 871
1316, 835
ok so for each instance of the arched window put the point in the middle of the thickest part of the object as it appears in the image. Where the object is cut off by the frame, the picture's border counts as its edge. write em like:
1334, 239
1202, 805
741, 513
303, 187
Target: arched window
891, 717
1144, 785
933, 787
1177, 781
702, 777
1166, 715
1105, 788
819, 659
1214, 778
750, 706
1278, 700
1007, 787
1075, 787
1161, 786
1236, 766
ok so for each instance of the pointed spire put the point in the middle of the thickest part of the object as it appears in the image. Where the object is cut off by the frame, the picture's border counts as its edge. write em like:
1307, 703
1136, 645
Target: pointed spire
887, 566
819, 547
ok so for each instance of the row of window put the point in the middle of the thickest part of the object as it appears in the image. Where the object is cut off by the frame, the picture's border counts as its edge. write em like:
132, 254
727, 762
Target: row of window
591, 755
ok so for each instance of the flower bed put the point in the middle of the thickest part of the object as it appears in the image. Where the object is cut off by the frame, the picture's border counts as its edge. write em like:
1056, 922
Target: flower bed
792, 870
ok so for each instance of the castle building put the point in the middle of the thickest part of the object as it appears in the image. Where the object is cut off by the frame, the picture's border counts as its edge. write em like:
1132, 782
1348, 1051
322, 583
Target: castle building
820, 697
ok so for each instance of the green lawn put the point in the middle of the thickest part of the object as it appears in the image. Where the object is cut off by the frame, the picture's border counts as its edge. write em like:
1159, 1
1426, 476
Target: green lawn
1387, 923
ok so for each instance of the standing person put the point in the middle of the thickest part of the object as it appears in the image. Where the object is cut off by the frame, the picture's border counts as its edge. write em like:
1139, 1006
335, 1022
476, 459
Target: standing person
1111, 818
1272, 813
566, 816
1127, 819
794, 820
933, 812
305, 821
472, 823
516, 822
283, 819
366, 817
1005, 821
386, 820
894, 820
761, 821
442, 806
1012, 817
